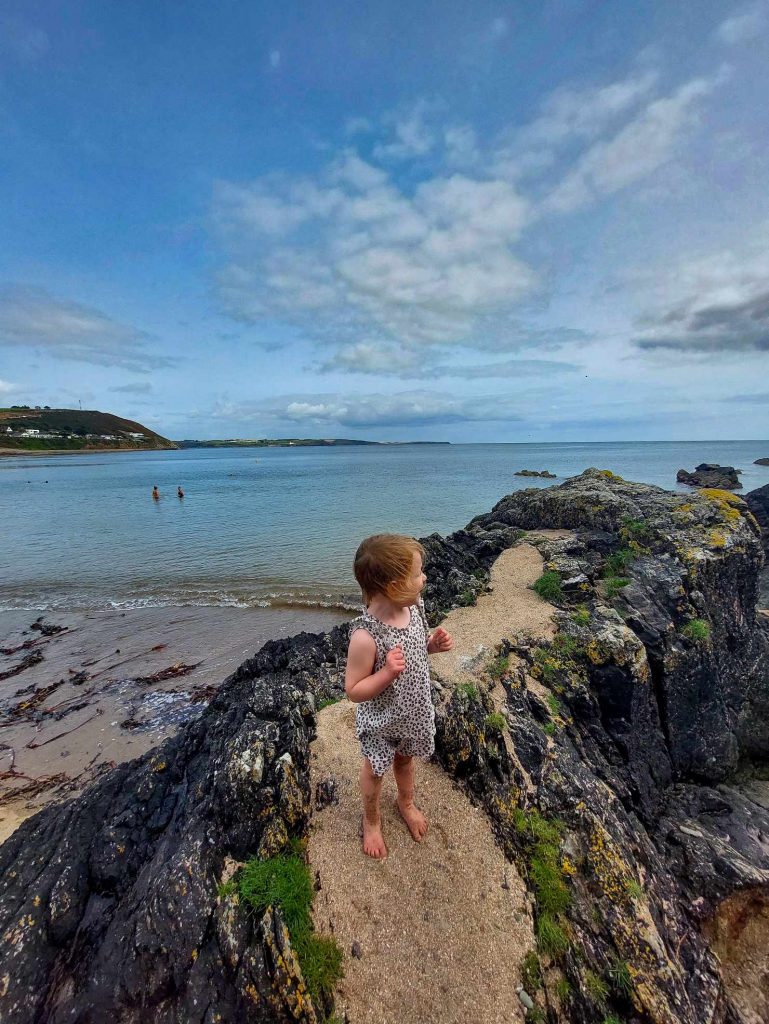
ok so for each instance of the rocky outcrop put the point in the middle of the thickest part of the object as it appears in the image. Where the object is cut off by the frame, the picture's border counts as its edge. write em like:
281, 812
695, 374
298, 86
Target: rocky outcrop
619, 797
758, 503
110, 906
761, 462
630, 731
710, 474
535, 472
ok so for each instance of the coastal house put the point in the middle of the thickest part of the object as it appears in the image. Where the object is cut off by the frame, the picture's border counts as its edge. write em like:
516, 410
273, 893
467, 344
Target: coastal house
30, 432
136, 437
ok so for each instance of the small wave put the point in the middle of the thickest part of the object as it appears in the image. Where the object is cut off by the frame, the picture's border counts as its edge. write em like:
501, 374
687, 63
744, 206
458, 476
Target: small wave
180, 599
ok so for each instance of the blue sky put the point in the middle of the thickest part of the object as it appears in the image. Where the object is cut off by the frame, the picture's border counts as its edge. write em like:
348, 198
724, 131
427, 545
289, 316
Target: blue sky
465, 222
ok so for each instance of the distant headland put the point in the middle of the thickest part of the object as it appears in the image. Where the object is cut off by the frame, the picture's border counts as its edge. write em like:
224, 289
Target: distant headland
42, 430
290, 442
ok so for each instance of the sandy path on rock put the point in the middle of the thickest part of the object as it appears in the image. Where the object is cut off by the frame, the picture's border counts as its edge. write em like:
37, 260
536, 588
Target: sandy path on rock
441, 926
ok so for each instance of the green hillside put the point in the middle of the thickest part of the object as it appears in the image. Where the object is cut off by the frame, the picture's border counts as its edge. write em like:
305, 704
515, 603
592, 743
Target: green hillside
74, 430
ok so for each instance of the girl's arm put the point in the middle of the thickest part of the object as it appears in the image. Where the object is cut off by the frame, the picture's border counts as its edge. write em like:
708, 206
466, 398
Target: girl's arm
360, 683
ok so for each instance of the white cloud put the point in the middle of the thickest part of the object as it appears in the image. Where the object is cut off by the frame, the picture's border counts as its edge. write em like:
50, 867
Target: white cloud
409, 364
639, 148
743, 27
6, 387
717, 302
406, 409
32, 318
353, 255
411, 136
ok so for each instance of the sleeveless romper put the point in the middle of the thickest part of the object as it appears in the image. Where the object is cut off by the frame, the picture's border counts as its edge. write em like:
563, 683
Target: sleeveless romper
401, 719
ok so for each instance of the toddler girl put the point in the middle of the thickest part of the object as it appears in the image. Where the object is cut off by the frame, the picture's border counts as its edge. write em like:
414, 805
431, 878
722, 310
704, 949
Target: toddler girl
388, 677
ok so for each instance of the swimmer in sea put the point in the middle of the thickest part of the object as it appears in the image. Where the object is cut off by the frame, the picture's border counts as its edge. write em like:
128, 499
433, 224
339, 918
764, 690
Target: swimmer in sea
179, 492
156, 493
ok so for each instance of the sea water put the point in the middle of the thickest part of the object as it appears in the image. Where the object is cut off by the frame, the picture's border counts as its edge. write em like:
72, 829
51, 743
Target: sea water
271, 526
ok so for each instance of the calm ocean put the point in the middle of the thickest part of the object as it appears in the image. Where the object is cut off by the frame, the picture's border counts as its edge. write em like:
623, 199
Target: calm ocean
275, 526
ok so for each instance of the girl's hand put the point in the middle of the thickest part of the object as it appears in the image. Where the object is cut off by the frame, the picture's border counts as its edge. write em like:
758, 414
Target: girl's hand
395, 662
440, 642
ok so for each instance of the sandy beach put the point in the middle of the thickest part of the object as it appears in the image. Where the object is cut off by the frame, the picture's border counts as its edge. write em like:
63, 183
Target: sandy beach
91, 689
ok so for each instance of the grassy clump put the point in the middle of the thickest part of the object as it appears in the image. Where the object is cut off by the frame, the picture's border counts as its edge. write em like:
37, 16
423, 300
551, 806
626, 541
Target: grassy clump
637, 530
548, 586
468, 690
581, 616
563, 989
611, 1019
466, 598
543, 840
498, 666
548, 666
225, 889
531, 972
697, 630
621, 979
614, 584
554, 705
327, 702
596, 987
634, 889
284, 881
566, 645
536, 1016
618, 561
549, 728
495, 722
551, 937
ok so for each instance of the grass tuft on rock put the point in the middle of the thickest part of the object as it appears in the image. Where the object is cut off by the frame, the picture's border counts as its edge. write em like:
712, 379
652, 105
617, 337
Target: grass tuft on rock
596, 987
495, 722
563, 989
468, 690
498, 667
285, 881
531, 972
620, 976
697, 630
581, 616
614, 584
551, 937
548, 586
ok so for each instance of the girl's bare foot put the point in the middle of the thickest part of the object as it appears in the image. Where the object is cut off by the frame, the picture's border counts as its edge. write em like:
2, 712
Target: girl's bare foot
415, 820
373, 840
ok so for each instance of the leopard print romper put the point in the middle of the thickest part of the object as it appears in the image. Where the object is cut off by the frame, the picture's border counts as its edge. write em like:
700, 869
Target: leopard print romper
401, 719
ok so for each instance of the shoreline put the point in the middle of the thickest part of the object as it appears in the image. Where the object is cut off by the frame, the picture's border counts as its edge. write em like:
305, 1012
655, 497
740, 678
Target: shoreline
112, 684
23, 453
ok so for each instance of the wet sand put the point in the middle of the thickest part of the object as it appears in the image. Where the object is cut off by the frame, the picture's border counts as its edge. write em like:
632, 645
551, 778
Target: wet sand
90, 702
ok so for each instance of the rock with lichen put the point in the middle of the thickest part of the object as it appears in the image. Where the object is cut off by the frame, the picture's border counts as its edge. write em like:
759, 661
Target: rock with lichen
632, 731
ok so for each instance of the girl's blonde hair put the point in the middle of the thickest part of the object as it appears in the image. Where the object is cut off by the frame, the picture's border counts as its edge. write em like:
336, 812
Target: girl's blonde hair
383, 564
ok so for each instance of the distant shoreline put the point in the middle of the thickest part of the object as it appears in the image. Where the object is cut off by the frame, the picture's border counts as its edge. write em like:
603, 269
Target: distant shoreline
24, 452
296, 442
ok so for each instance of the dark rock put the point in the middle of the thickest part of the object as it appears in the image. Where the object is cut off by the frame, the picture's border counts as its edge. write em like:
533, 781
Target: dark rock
758, 503
356, 950
710, 474
761, 462
535, 472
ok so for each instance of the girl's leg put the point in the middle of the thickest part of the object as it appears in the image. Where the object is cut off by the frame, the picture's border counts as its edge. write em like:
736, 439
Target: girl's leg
371, 788
403, 769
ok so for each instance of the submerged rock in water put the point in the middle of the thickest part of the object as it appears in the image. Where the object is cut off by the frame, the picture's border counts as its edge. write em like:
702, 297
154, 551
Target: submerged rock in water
535, 472
710, 474
619, 796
